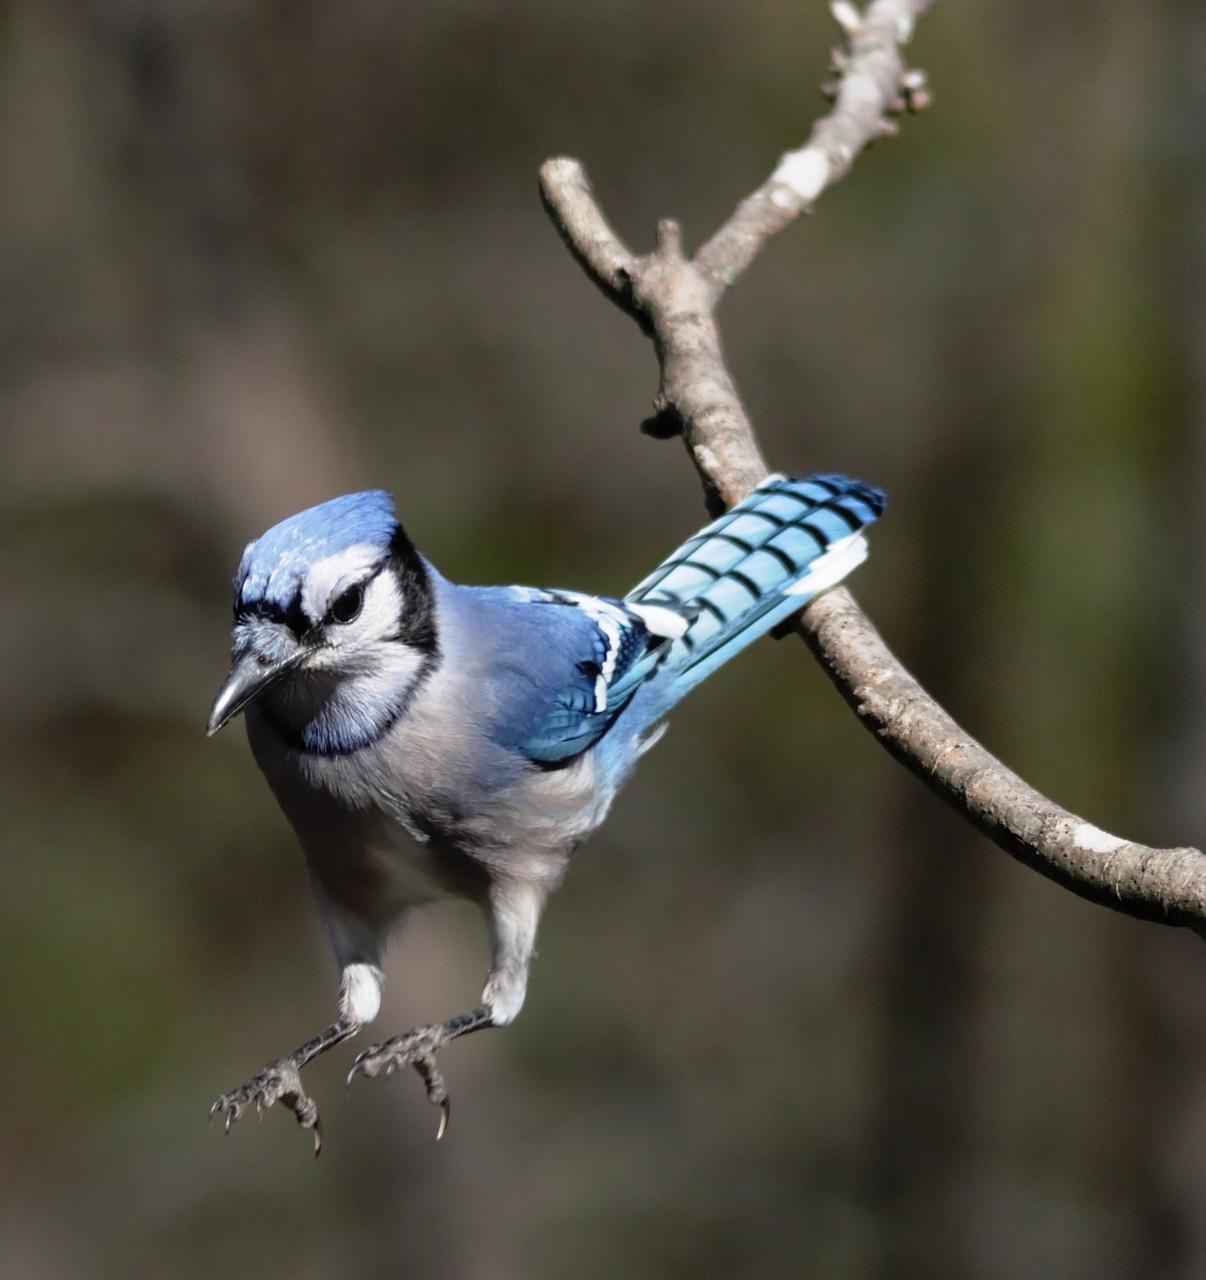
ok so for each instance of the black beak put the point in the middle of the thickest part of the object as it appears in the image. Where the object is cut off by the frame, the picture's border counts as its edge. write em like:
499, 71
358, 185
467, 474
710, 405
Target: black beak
249, 677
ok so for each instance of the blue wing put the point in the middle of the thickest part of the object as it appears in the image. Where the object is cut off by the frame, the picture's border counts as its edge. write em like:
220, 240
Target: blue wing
591, 656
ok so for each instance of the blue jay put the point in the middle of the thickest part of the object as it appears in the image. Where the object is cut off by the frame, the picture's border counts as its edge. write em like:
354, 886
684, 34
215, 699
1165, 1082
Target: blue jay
427, 739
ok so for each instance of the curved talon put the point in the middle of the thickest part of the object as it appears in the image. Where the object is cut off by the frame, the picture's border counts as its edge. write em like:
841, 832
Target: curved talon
278, 1083
362, 1066
368, 1063
416, 1049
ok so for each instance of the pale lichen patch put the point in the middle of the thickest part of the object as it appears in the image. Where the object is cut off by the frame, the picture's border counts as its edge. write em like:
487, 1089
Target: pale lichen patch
1092, 838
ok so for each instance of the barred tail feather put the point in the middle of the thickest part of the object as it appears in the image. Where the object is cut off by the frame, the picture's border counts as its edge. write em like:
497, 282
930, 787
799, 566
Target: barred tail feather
756, 566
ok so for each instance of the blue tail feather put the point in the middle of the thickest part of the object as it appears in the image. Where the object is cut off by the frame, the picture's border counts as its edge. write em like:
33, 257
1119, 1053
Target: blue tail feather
750, 569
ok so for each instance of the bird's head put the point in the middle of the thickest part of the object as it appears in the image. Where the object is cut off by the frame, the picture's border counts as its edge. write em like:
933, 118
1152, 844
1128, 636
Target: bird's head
333, 624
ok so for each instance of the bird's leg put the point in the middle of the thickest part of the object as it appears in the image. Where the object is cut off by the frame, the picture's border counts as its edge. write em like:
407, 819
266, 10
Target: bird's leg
280, 1081
514, 912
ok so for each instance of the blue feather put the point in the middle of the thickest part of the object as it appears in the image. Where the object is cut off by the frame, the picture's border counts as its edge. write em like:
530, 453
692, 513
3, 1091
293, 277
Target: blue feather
275, 564
588, 656
736, 577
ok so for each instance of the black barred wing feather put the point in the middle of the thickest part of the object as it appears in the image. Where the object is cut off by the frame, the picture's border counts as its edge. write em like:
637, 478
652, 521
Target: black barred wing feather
759, 563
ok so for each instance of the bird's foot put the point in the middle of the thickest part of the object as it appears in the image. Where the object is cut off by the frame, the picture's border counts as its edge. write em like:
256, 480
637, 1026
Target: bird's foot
278, 1082
417, 1049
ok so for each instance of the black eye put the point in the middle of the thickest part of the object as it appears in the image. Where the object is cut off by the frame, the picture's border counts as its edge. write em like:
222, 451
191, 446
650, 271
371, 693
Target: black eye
346, 606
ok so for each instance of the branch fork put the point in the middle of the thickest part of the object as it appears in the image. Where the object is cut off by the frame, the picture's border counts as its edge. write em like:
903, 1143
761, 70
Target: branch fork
674, 299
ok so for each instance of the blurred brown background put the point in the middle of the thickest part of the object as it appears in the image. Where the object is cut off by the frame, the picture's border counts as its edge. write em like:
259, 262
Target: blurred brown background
790, 1017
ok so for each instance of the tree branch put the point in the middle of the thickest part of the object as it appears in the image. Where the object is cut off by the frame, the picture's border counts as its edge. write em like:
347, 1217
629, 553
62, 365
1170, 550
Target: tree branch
674, 299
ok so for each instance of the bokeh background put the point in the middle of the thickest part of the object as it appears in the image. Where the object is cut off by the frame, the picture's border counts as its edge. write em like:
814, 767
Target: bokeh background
790, 1016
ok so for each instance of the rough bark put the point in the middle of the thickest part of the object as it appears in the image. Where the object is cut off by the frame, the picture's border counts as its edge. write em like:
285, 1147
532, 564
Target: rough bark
674, 299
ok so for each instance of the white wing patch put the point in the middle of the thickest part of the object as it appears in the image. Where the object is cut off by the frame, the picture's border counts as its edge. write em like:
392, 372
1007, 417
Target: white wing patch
611, 620
611, 630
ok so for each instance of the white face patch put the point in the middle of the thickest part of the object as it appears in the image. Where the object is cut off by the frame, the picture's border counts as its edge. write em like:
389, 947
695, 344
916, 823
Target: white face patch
377, 621
330, 577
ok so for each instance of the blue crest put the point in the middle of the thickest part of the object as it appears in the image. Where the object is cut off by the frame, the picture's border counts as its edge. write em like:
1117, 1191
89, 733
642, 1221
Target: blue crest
275, 564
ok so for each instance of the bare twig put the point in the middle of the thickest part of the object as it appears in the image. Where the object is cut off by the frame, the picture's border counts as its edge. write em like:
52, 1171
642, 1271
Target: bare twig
595, 246
874, 85
674, 300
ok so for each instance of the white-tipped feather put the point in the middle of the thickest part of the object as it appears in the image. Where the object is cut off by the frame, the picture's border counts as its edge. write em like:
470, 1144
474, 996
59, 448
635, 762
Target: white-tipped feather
829, 569
607, 624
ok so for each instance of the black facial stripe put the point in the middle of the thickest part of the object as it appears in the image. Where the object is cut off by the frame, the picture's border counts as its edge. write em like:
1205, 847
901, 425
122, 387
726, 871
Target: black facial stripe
416, 619
293, 615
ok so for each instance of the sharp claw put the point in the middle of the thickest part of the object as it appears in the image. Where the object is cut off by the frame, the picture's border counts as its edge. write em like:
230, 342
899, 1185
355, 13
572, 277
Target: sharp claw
416, 1049
276, 1083
317, 1139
